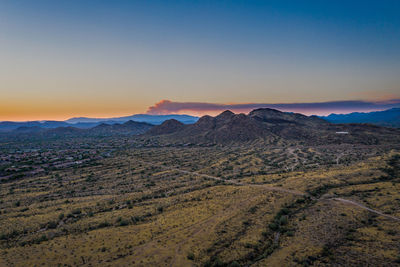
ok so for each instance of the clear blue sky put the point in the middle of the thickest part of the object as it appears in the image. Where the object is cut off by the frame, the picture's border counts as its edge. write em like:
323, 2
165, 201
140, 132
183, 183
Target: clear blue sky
102, 58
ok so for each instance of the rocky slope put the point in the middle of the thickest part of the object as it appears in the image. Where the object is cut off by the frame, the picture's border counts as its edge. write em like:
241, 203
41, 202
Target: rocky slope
271, 126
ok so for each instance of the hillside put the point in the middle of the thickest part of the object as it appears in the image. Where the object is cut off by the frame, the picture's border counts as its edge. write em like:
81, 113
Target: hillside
167, 127
272, 126
129, 127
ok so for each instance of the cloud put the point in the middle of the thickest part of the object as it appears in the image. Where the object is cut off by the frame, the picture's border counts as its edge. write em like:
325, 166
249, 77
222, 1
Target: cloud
317, 108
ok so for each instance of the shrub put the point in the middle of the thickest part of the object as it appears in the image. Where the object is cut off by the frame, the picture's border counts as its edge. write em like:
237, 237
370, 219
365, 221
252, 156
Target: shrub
283, 211
123, 222
52, 225
41, 239
234, 264
190, 256
273, 226
103, 224
283, 220
391, 232
76, 211
264, 234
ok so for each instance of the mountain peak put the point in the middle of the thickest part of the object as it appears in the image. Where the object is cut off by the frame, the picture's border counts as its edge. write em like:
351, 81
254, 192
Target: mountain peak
225, 115
167, 127
227, 112
265, 110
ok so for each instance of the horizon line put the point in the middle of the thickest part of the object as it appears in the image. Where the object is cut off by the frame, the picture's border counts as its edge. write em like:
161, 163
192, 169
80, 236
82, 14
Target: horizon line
344, 112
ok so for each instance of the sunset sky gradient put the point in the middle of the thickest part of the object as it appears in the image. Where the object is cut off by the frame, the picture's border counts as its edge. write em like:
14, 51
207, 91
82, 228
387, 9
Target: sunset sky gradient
61, 59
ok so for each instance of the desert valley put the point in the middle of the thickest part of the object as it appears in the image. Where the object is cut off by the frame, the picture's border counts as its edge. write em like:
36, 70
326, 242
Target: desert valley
264, 189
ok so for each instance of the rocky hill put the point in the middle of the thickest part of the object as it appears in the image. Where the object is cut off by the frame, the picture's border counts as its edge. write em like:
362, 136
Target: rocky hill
271, 126
167, 127
129, 127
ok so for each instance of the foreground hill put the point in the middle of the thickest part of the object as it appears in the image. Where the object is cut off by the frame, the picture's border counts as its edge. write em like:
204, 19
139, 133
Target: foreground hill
387, 118
271, 126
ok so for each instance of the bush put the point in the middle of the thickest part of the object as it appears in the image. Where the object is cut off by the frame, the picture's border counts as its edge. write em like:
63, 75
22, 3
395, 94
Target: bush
41, 239
76, 211
283, 220
326, 251
103, 224
234, 264
123, 222
273, 226
52, 225
283, 211
264, 234
190, 256
391, 232
398, 259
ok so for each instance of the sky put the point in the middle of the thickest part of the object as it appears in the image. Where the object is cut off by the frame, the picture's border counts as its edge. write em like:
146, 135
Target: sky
62, 59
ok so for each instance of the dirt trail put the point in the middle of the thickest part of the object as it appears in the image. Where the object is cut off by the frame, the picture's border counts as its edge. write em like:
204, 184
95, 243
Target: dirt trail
273, 188
233, 182
351, 202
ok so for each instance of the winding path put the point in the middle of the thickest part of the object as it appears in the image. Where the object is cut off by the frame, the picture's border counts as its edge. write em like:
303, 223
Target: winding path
233, 182
274, 188
351, 202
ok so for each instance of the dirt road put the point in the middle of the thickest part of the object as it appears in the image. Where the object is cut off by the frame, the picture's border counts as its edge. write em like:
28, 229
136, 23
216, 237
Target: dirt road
273, 188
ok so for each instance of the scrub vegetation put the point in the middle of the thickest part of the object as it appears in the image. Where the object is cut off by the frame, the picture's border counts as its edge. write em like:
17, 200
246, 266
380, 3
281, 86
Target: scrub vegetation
129, 202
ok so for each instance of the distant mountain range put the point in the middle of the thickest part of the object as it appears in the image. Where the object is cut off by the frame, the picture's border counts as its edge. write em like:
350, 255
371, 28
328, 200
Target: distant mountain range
387, 118
265, 124
152, 119
86, 123
103, 129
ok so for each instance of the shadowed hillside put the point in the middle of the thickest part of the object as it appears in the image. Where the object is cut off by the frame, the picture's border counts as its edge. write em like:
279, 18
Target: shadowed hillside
271, 126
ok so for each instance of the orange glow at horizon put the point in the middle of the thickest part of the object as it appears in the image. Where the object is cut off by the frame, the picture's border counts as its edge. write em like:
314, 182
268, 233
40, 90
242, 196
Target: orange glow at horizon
29, 112
63, 111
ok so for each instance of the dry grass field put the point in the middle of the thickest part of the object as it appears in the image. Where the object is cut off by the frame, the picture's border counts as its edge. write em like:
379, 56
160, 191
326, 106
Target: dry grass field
208, 206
